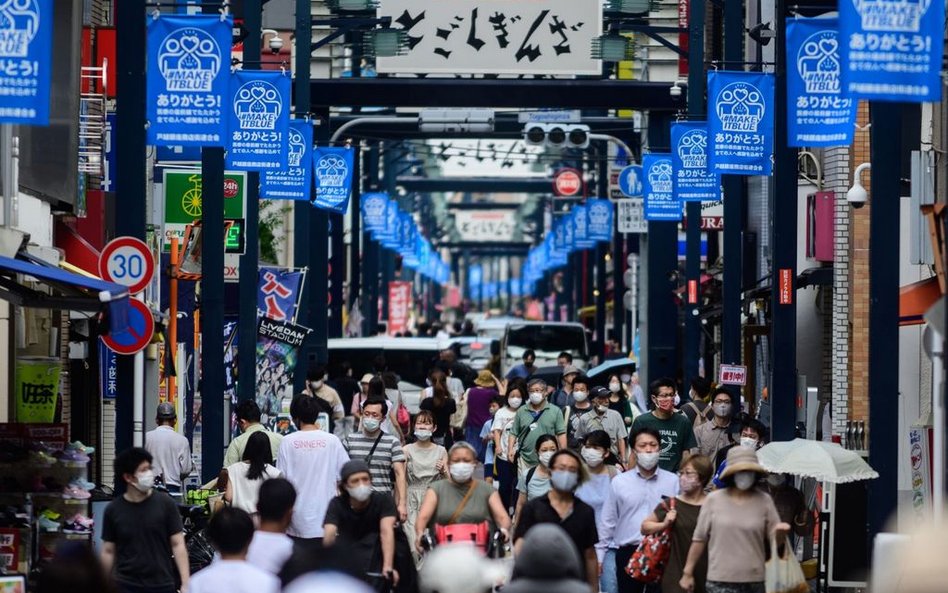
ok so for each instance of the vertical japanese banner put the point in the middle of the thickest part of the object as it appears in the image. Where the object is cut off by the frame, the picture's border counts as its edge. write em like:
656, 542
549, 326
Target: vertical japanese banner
278, 292
600, 215
660, 202
188, 78
108, 372
399, 306
333, 171
26, 43
278, 344
258, 123
581, 228
374, 206
693, 181
740, 123
819, 113
892, 49
37, 389
293, 182
475, 277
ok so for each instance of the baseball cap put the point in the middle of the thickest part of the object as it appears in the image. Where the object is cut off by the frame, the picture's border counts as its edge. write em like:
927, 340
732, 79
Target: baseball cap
366, 378
166, 411
599, 392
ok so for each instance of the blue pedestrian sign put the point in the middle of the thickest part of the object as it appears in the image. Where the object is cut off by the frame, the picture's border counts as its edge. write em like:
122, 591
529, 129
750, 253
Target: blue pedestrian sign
26, 43
630, 181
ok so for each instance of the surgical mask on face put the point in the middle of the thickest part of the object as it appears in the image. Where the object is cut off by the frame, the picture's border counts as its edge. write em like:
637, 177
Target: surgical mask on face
722, 410
422, 435
564, 481
749, 442
688, 483
601, 409
615, 386
593, 457
370, 424
776, 479
677, 400
536, 397
545, 458
665, 404
580, 396
315, 385
647, 461
626, 379
745, 480
514, 402
360, 493
461, 472
145, 481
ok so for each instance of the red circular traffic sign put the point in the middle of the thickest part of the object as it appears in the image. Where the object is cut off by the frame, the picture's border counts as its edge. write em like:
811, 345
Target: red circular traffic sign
127, 261
567, 182
138, 334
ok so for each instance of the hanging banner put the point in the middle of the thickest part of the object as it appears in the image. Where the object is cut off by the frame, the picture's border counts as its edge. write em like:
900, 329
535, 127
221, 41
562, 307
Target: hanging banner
660, 202
892, 49
278, 344
294, 181
188, 78
37, 388
26, 44
278, 292
108, 372
599, 213
818, 112
740, 122
333, 171
581, 228
475, 276
374, 206
259, 121
399, 306
693, 181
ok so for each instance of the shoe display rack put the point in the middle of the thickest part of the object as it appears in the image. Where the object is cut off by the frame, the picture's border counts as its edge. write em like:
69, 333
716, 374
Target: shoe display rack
44, 493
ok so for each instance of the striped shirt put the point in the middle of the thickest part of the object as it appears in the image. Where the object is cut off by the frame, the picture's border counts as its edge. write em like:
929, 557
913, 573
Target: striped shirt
388, 452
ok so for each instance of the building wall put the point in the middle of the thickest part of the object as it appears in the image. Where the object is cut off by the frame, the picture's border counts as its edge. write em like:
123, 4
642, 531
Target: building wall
836, 178
858, 397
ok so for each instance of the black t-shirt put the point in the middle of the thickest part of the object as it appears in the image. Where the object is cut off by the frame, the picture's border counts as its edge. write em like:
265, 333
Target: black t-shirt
353, 525
442, 415
141, 532
347, 388
580, 525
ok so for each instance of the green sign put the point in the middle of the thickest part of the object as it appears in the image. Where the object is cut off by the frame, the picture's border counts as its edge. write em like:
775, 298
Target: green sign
37, 388
183, 204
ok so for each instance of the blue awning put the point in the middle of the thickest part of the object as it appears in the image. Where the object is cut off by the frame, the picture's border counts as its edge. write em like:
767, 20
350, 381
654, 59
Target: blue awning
78, 292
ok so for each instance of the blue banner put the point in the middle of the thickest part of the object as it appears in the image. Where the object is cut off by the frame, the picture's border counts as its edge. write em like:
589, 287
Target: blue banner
295, 181
693, 180
258, 133
740, 122
600, 215
374, 206
475, 276
333, 171
188, 80
581, 228
818, 112
26, 44
278, 292
660, 202
108, 371
892, 49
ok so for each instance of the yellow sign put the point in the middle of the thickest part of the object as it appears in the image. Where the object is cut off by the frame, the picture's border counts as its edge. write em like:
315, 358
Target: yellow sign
37, 389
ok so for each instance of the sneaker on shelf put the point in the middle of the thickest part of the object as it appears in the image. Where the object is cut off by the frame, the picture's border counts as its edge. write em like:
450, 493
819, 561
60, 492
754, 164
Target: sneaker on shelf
78, 524
82, 483
73, 455
41, 459
51, 515
43, 446
48, 525
76, 493
78, 446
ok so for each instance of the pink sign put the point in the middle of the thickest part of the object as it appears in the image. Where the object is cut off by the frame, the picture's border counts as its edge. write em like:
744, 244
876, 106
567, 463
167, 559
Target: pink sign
399, 306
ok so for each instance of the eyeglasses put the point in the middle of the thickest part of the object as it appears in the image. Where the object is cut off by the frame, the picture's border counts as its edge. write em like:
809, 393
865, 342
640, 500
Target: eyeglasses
664, 396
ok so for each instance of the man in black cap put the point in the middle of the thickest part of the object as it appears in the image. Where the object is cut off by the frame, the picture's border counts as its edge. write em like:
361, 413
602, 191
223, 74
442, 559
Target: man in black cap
170, 450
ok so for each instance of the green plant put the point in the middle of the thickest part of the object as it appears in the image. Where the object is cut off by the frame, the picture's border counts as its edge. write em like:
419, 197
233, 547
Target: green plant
271, 232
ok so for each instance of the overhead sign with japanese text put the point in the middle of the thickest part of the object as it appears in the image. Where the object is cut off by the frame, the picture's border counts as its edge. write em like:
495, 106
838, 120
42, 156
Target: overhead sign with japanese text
332, 167
495, 36
660, 202
26, 44
294, 181
278, 292
188, 78
258, 121
485, 225
740, 122
693, 181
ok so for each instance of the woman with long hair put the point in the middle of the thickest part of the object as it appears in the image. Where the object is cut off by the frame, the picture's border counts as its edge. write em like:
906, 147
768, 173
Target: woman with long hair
441, 406
245, 477
620, 400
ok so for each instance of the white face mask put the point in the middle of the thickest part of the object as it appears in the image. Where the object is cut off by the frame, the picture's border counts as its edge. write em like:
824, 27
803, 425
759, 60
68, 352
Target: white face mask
422, 435
360, 493
514, 402
145, 481
745, 480
461, 472
536, 397
647, 461
614, 387
545, 458
749, 442
601, 409
626, 379
370, 424
593, 457
564, 481
722, 410
677, 400
315, 385
580, 396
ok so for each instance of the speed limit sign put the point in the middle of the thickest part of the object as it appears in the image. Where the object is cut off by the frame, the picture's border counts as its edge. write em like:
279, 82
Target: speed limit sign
127, 261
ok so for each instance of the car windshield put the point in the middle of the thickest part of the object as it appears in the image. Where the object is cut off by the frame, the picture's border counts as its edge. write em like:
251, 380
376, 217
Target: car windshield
546, 340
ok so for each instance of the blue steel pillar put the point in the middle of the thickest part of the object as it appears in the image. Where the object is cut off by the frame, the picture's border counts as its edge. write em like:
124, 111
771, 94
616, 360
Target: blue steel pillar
302, 227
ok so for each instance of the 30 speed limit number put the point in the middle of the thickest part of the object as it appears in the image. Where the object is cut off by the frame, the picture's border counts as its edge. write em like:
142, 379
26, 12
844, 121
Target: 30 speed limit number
127, 261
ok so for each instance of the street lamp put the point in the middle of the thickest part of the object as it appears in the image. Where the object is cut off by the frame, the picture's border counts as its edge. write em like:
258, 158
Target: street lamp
613, 47
386, 43
857, 196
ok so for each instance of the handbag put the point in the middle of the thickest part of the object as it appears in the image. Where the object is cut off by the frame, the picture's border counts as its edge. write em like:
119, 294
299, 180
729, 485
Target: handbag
647, 563
403, 417
475, 533
783, 574
459, 417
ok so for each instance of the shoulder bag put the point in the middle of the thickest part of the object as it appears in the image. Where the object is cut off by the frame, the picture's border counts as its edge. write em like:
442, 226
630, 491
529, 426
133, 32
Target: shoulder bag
647, 563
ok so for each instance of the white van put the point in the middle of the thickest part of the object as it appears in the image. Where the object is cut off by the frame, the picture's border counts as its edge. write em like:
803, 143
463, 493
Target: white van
547, 339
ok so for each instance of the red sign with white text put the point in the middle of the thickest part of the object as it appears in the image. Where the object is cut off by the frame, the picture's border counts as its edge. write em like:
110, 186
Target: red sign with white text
785, 286
692, 292
567, 182
399, 306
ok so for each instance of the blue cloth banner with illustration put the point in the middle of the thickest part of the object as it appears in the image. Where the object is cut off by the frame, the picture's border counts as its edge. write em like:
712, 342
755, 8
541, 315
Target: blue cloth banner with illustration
332, 170
388, 232
374, 208
581, 228
295, 181
188, 80
693, 181
892, 49
740, 123
26, 45
278, 292
600, 215
258, 129
819, 113
659, 195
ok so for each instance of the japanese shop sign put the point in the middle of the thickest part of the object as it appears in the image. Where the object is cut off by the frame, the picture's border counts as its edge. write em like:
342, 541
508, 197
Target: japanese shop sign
37, 388
399, 306
259, 121
485, 225
892, 49
188, 77
732, 374
108, 369
741, 122
333, 170
660, 202
693, 181
183, 199
818, 112
495, 36
278, 292
294, 181
26, 42
600, 216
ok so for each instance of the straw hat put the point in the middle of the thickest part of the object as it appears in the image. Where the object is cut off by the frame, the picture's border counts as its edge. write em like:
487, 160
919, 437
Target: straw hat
742, 459
484, 379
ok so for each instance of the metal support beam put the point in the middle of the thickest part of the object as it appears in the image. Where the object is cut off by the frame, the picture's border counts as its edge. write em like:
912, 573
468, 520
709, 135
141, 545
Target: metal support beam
370, 253
602, 248
315, 349
527, 185
302, 228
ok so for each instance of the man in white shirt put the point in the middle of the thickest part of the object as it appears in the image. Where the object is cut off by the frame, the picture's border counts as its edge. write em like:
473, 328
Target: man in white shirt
170, 451
310, 459
271, 546
230, 531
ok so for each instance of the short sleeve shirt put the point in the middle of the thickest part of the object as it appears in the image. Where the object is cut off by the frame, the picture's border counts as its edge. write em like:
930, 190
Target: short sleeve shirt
141, 532
529, 425
450, 496
677, 437
353, 525
536, 487
579, 525
611, 422
389, 450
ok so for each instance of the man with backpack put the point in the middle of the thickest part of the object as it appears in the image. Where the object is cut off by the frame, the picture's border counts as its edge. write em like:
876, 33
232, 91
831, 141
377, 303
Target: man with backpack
715, 435
697, 409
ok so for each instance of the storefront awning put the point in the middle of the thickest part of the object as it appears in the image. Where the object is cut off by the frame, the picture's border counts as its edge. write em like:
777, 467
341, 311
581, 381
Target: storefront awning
915, 299
75, 292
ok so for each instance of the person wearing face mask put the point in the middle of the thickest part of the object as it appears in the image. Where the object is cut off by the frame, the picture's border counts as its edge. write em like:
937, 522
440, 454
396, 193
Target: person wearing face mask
363, 519
677, 435
632, 497
638, 394
316, 386
594, 492
504, 467
524, 370
735, 525
425, 463
604, 418
561, 507
461, 508
563, 397
748, 433
142, 531
536, 481
716, 435
620, 400
533, 421
382, 452
574, 412
682, 517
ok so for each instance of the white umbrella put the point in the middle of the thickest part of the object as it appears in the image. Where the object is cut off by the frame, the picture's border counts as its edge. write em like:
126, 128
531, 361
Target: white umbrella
827, 462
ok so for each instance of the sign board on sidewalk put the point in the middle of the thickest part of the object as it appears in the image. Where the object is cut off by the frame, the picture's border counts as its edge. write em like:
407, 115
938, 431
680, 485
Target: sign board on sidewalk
631, 216
732, 374
127, 261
